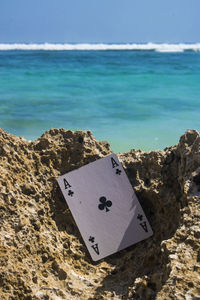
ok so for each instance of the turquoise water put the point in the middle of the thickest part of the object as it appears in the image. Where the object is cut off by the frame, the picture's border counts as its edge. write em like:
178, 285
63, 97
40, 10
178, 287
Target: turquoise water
133, 99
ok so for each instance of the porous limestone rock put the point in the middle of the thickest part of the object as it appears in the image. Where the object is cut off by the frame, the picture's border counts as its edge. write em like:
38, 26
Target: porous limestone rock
42, 255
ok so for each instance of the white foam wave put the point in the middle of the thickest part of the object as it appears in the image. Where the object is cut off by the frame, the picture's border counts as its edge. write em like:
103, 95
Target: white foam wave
149, 46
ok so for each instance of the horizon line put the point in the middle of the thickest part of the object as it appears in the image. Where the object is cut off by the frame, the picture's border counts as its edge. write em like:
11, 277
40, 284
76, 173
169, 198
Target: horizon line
159, 47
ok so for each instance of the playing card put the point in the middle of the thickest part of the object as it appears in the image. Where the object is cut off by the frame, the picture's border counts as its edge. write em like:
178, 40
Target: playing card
105, 207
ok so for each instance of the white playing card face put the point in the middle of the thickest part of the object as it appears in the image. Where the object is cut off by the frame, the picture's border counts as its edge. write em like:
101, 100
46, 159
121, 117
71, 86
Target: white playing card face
105, 207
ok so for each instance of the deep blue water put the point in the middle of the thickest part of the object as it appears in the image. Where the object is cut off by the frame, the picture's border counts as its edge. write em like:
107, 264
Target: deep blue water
132, 99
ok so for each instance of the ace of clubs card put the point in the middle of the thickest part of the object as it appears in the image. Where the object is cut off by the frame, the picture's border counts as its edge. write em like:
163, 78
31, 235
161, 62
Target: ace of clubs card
105, 207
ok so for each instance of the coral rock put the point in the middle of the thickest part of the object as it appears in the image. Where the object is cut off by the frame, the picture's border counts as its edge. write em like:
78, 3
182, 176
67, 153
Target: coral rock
42, 255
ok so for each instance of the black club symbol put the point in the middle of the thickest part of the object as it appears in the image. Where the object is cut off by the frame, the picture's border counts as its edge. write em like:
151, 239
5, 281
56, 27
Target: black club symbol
104, 203
118, 171
139, 217
91, 239
70, 193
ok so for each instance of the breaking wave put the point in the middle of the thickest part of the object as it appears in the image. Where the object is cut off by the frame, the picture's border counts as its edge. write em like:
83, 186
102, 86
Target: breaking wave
63, 47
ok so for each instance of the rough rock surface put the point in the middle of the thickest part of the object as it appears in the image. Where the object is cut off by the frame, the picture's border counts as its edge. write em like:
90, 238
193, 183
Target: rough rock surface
42, 255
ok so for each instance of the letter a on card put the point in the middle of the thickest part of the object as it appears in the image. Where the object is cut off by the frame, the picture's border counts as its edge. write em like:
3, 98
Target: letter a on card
66, 184
114, 163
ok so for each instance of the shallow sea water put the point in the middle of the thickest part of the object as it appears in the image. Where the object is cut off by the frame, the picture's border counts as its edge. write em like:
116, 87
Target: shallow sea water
133, 99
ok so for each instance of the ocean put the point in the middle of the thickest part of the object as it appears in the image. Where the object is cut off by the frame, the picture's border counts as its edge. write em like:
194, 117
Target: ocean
133, 96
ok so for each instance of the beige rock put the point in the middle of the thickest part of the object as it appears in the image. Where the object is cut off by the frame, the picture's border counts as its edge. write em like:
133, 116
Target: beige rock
42, 255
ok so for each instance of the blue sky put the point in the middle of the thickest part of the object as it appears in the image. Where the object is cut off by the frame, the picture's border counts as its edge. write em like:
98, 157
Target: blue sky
94, 21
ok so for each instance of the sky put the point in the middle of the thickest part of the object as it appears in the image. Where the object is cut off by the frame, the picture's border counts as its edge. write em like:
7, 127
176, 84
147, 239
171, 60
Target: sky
99, 21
